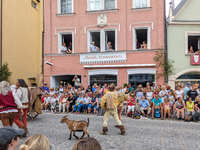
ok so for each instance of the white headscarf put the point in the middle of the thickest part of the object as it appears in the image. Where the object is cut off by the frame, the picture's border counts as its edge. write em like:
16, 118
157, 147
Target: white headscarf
4, 87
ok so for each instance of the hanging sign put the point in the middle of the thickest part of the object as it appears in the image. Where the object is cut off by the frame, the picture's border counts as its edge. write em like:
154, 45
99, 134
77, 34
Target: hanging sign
195, 59
95, 58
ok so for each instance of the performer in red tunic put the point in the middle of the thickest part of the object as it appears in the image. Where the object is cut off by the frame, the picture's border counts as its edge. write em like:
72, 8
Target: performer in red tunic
9, 102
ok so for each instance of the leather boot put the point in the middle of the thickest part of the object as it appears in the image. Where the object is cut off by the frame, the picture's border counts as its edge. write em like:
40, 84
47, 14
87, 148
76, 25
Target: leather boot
122, 129
25, 130
104, 131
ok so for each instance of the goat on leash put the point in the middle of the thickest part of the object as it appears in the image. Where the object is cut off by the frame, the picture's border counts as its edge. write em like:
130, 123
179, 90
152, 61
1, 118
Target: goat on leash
76, 126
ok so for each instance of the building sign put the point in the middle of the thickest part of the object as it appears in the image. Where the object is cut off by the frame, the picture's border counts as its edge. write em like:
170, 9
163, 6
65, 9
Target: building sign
195, 59
109, 57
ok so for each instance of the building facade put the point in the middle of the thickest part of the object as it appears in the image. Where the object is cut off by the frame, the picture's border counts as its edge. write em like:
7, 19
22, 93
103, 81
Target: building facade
126, 24
184, 32
22, 26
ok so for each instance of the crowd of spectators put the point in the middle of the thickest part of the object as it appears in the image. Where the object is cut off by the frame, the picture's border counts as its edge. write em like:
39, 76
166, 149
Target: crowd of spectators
147, 101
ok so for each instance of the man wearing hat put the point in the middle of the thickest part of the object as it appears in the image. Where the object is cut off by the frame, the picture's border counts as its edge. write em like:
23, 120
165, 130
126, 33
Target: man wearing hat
109, 102
9, 138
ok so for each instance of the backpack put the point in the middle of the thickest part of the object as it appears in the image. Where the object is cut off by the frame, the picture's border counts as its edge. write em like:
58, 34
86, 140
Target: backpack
157, 113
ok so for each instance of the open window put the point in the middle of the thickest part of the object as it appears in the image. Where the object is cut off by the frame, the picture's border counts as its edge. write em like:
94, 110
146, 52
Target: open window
67, 38
96, 38
141, 38
110, 40
193, 43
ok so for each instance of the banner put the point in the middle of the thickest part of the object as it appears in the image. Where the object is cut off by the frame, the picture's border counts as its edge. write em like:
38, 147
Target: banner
99, 58
195, 59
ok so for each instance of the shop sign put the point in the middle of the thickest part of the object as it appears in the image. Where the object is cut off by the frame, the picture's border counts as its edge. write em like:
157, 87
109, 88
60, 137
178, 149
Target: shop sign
95, 58
195, 59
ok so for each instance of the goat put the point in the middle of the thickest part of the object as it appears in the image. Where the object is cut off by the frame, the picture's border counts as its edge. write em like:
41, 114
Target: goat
73, 125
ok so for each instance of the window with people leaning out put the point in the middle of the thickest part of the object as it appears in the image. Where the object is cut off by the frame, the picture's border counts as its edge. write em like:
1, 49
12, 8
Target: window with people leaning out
98, 43
194, 44
141, 38
101, 4
66, 47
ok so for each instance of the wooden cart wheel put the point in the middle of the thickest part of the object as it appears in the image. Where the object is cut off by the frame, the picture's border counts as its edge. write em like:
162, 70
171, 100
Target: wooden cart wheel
32, 113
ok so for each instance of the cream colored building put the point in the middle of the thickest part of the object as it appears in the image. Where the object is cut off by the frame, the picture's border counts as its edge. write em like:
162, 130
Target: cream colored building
22, 27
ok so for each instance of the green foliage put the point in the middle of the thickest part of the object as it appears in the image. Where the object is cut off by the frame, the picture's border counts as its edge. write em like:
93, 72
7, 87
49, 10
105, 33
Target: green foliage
5, 73
165, 64
125, 85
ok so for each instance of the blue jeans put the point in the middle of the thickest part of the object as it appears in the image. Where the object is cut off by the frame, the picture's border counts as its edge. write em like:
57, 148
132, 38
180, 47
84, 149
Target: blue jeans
90, 106
79, 107
85, 107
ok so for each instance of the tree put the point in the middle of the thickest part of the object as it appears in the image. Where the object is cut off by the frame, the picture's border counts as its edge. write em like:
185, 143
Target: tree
165, 64
5, 73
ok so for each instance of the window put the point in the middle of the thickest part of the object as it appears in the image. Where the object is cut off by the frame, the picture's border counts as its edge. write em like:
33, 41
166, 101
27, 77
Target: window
66, 6
109, 4
193, 43
33, 4
102, 79
141, 38
141, 3
103, 39
67, 38
101, 4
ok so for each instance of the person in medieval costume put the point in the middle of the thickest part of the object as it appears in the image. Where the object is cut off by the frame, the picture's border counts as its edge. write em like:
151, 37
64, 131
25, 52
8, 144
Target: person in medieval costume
109, 103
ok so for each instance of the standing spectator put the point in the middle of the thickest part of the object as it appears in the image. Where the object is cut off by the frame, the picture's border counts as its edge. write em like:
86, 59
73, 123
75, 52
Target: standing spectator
179, 93
36, 142
63, 103
76, 81
180, 108
192, 93
156, 92
149, 95
144, 105
24, 95
79, 104
9, 138
9, 102
186, 89
167, 108
71, 102
45, 87
131, 105
93, 103
190, 107
157, 104
86, 102
63, 48
109, 46
163, 94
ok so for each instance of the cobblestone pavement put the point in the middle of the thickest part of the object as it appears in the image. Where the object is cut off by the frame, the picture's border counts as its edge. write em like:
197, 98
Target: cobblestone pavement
140, 134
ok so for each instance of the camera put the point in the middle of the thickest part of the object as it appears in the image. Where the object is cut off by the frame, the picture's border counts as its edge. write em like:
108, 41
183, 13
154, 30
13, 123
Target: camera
48, 63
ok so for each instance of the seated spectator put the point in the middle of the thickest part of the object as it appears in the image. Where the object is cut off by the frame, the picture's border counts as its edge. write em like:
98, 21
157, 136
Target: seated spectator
131, 105
167, 108
47, 101
171, 98
79, 104
198, 52
156, 92
51, 92
63, 48
192, 93
36, 142
63, 103
54, 102
90, 93
43, 102
157, 104
190, 107
109, 46
139, 94
9, 138
137, 44
57, 90
88, 143
144, 105
93, 47
144, 45
99, 103
198, 91
149, 95
69, 49
93, 103
197, 106
163, 93
179, 107
179, 93
86, 102
70, 102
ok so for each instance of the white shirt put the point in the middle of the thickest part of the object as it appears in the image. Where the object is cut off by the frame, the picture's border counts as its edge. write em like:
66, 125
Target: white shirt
162, 93
63, 48
198, 91
76, 81
87, 100
179, 93
149, 95
47, 99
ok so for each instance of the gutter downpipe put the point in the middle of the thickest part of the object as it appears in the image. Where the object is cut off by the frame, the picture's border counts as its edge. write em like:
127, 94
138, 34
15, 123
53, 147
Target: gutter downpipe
1, 33
43, 43
165, 24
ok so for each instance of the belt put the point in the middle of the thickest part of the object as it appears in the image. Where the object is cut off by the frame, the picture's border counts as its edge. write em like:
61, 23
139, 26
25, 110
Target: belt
8, 107
25, 103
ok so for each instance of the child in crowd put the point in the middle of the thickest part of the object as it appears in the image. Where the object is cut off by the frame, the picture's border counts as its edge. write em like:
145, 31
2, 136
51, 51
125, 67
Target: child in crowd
190, 107
131, 105
172, 101
167, 108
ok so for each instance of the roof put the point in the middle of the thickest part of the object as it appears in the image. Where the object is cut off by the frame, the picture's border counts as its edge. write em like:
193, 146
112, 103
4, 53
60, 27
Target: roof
178, 8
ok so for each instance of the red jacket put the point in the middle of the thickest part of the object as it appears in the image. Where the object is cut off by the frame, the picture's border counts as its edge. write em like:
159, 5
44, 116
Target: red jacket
7, 102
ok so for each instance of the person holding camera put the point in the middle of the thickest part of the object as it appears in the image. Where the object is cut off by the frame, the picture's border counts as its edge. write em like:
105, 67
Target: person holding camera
76, 81
131, 105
